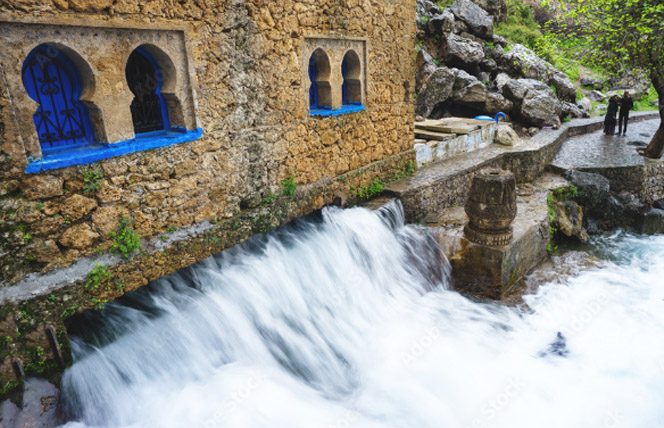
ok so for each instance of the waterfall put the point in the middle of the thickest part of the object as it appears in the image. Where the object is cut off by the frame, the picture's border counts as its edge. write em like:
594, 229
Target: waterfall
345, 319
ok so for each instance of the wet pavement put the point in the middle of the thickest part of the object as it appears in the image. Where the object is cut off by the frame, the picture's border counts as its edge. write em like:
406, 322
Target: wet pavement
598, 150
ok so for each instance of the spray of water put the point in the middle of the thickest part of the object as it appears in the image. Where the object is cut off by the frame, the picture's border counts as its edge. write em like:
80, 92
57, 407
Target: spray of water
346, 320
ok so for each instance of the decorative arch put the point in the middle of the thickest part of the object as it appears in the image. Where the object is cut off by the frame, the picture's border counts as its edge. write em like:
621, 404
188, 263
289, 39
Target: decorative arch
320, 91
351, 72
152, 79
60, 81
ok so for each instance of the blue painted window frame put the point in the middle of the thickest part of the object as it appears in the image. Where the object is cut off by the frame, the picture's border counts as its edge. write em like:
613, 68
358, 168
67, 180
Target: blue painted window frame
315, 110
91, 151
52, 80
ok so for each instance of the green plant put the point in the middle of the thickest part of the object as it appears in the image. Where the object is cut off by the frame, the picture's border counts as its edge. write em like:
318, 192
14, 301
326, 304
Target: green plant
368, 191
69, 311
96, 277
39, 206
92, 178
269, 198
288, 186
126, 241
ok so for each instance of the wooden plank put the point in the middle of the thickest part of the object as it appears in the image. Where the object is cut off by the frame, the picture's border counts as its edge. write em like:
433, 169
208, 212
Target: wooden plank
429, 135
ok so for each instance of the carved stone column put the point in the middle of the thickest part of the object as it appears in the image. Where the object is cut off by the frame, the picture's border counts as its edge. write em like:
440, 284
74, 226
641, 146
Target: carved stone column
491, 208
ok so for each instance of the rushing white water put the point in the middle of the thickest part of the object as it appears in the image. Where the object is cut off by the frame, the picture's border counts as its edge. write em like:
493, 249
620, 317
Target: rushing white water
346, 321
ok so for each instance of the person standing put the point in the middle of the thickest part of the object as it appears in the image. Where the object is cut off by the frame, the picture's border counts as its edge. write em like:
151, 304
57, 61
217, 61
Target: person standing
610, 118
626, 104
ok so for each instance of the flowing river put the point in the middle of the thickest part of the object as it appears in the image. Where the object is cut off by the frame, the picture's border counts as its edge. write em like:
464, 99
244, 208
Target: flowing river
346, 320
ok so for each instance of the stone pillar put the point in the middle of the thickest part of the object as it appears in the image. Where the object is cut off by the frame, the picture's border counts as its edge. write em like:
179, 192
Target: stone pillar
491, 208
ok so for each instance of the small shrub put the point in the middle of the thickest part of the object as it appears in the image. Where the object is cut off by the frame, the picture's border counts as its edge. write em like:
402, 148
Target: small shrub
125, 240
96, 277
370, 190
288, 186
92, 179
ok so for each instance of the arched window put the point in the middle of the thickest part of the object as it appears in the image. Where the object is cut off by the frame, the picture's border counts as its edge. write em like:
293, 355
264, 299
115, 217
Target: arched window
53, 80
352, 85
320, 91
145, 78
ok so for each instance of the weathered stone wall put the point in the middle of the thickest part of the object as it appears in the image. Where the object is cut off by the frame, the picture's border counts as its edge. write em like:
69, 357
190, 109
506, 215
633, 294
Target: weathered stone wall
250, 97
252, 104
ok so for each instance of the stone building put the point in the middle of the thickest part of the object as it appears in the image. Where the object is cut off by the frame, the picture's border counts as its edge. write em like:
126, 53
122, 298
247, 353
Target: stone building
189, 124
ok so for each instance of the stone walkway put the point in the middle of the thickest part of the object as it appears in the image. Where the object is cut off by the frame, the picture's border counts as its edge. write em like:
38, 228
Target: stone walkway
598, 150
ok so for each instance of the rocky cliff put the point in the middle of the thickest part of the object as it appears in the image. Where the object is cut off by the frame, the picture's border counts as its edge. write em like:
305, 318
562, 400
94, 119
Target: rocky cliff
465, 69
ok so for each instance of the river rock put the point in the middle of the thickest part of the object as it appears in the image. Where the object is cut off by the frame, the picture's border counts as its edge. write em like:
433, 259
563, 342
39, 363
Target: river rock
437, 89
569, 220
462, 52
40, 399
479, 22
506, 136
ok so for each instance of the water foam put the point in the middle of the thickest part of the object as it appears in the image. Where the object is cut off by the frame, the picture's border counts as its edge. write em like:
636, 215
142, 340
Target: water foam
347, 321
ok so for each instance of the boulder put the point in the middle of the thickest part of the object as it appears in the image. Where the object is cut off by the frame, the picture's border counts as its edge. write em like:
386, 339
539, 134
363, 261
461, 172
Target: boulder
495, 103
425, 11
437, 89
425, 68
488, 65
500, 80
591, 82
569, 220
462, 53
468, 90
534, 102
596, 96
585, 104
540, 108
8, 414
460, 27
516, 89
499, 40
652, 222
573, 111
442, 23
496, 8
565, 89
506, 136
479, 22
523, 62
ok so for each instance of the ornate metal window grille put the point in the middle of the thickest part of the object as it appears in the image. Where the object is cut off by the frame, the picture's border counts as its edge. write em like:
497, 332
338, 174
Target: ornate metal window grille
145, 79
52, 80
313, 89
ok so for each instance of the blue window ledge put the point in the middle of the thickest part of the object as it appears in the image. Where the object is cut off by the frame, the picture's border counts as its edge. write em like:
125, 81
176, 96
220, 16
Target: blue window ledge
347, 109
90, 154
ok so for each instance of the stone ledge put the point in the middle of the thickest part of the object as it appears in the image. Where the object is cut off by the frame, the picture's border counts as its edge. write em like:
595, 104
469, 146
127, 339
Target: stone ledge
444, 184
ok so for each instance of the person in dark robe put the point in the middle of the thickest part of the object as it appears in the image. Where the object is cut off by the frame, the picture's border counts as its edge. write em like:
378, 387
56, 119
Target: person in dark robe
610, 118
626, 104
